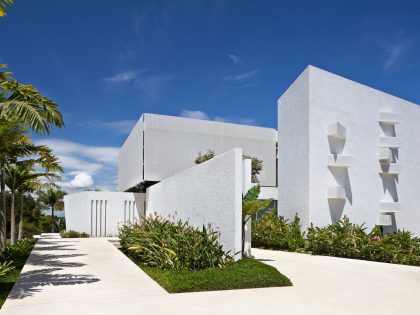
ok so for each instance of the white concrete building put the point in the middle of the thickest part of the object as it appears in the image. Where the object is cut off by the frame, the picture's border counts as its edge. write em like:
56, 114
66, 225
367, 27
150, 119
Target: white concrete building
341, 148
160, 146
347, 149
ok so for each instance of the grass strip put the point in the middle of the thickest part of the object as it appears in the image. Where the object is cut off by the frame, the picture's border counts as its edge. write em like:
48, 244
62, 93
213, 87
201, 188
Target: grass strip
243, 274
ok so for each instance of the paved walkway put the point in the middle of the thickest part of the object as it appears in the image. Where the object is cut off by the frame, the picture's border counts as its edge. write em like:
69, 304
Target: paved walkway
90, 276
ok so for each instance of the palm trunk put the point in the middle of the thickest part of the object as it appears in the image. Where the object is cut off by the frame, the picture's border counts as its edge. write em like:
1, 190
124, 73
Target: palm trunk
52, 218
20, 233
12, 221
3, 210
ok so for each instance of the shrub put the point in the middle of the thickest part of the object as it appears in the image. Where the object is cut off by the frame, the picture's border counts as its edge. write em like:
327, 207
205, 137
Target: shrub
73, 234
274, 232
5, 268
17, 253
340, 239
169, 244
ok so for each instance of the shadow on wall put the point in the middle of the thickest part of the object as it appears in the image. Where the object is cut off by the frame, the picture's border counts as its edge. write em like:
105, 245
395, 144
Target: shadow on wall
342, 178
31, 282
336, 208
389, 184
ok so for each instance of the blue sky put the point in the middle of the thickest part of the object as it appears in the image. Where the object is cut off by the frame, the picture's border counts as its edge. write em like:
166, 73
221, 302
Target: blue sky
106, 62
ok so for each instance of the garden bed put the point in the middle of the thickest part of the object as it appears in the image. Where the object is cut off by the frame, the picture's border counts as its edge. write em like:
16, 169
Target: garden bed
243, 274
17, 254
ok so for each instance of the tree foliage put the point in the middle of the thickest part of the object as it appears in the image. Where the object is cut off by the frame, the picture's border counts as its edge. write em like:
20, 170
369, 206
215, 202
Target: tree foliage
3, 6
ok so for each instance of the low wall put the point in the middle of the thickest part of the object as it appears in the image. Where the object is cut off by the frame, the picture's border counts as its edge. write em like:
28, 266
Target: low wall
100, 213
210, 192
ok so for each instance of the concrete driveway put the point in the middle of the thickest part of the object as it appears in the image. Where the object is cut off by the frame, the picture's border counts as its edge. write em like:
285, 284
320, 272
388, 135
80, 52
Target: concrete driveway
90, 276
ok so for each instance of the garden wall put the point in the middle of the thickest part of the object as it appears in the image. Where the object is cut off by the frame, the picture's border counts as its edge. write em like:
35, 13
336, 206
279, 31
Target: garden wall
100, 213
208, 193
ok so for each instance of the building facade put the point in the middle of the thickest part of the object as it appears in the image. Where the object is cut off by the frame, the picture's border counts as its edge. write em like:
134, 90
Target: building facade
160, 146
342, 149
348, 149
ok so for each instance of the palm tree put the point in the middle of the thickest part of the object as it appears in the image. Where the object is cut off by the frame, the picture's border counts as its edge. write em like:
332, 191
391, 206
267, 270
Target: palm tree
24, 105
53, 198
13, 144
3, 5
18, 176
28, 187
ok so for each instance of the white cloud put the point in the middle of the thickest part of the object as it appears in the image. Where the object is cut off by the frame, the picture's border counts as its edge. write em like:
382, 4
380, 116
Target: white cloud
198, 114
122, 77
234, 58
81, 180
150, 84
240, 78
85, 164
395, 53
97, 153
122, 127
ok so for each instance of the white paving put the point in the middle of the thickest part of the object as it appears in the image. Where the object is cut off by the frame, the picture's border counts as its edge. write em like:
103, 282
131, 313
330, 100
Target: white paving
90, 276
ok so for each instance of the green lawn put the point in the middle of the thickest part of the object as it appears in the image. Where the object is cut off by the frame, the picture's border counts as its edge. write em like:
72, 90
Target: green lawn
243, 274
6, 285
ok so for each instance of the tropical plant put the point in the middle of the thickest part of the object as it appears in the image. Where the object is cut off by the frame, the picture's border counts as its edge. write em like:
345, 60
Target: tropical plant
73, 234
250, 206
256, 164
18, 253
21, 177
53, 198
169, 244
3, 6
24, 105
203, 157
340, 239
13, 144
275, 232
5, 268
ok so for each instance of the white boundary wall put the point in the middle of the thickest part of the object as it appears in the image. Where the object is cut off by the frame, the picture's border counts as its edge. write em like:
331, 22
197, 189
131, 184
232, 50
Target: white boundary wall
210, 192
348, 149
101, 213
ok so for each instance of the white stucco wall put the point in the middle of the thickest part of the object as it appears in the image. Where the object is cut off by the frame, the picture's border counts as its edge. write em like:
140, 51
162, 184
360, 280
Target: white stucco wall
358, 109
293, 150
207, 193
101, 213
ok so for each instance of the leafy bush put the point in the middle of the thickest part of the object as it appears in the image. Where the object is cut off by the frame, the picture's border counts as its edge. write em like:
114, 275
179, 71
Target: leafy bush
73, 234
169, 244
340, 239
274, 232
5, 268
17, 253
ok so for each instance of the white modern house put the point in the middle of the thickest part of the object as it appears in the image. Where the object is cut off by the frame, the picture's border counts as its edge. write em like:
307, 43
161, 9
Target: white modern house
160, 146
347, 149
341, 148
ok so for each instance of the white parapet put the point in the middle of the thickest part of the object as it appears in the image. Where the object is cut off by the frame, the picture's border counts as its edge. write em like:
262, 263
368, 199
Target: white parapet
336, 130
385, 155
340, 160
389, 206
390, 118
389, 142
385, 219
390, 168
336, 192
